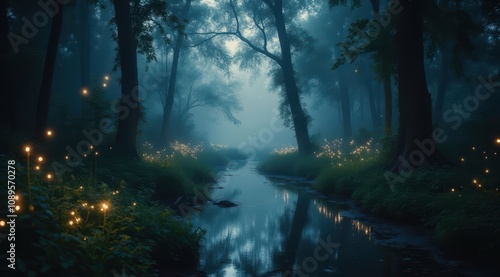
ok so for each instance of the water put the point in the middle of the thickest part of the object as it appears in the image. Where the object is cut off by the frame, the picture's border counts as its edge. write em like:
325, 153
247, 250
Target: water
281, 225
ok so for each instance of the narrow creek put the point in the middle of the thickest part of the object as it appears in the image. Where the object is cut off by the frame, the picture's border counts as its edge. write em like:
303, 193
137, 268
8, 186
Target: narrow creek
281, 225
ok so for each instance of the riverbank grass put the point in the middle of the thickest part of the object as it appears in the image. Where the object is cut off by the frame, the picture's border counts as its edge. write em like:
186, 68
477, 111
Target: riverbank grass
460, 204
104, 217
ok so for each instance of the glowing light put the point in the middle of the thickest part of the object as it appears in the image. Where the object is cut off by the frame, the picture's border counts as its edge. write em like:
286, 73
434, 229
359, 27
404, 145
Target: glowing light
18, 208
474, 181
66, 157
16, 197
71, 222
473, 148
486, 171
106, 77
81, 187
49, 176
91, 147
479, 185
356, 70
452, 190
84, 238
72, 213
104, 85
85, 91
105, 206
462, 159
134, 204
498, 140
49, 133
27, 149
40, 159
2, 223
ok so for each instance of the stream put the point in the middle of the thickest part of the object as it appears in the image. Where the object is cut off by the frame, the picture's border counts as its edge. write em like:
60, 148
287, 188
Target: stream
282, 226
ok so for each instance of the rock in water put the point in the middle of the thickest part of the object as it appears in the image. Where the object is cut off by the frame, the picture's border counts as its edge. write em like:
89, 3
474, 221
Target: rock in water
225, 204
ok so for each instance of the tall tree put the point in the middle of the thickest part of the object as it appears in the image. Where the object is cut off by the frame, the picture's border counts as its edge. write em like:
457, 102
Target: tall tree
415, 107
43, 103
4, 26
130, 108
170, 92
266, 15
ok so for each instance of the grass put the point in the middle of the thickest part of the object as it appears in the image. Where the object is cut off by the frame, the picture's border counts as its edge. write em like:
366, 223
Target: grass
460, 204
104, 218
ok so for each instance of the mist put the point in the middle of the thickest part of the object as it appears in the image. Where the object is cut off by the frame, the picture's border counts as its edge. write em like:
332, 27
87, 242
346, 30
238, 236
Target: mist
250, 138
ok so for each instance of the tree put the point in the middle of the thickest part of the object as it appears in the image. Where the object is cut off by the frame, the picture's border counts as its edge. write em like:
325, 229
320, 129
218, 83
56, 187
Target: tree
263, 22
129, 106
415, 106
215, 94
381, 48
43, 103
4, 25
170, 92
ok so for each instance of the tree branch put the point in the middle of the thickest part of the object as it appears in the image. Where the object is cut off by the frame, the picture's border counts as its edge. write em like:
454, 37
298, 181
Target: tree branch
262, 30
212, 36
248, 42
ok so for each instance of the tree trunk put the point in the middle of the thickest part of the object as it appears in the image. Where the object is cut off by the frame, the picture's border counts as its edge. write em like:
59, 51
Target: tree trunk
170, 94
292, 92
84, 44
373, 109
442, 86
10, 100
346, 105
415, 124
42, 112
129, 110
387, 104
4, 27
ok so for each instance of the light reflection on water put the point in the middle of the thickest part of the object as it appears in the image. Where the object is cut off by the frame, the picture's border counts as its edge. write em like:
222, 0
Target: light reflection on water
266, 230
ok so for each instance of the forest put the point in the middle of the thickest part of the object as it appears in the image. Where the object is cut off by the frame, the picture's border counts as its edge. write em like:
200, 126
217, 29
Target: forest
250, 138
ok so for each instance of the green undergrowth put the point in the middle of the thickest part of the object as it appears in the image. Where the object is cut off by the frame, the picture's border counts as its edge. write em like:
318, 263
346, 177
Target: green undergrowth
463, 217
294, 164
459, 203
75, 226
104, 217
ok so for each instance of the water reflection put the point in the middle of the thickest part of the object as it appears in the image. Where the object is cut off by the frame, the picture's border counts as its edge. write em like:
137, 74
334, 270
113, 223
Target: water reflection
278, 229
